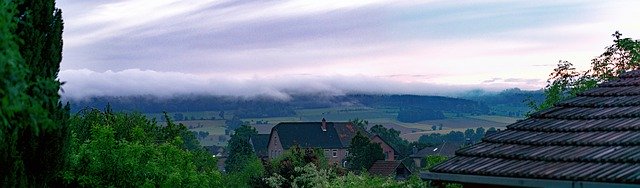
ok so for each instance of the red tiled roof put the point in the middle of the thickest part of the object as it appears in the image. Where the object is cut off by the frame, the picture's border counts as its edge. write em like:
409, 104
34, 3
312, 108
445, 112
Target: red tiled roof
384, 168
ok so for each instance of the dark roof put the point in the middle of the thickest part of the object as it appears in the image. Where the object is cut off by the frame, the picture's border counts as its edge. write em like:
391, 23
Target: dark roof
346, 131
308, 135
385, 168
260, 143
445, 149
594, 137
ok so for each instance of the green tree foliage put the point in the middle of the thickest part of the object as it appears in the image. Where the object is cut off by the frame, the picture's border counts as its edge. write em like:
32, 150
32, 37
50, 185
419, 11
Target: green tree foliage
565, 81
479, 134
34, 128
250, 174
312, 176
389, 135
433, 160
240, 150
469, 134
360, 123
234, 123
304, 171
436, 139
128, 150
367, 181
363, 153
292, 167
172, 130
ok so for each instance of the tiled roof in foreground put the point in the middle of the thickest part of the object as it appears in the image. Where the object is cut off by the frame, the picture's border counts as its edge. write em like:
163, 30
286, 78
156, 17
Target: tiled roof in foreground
593, 137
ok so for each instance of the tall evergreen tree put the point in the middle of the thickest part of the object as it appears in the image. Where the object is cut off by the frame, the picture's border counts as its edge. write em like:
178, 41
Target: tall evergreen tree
34, 123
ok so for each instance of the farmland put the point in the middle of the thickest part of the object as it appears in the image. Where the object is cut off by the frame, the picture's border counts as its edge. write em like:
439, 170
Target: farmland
202, 121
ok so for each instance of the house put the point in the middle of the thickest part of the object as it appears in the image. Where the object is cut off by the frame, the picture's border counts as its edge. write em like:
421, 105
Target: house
259, 144
332, 137
390, 153
388, 168
215, 150
591, 140
447, 149
219, 153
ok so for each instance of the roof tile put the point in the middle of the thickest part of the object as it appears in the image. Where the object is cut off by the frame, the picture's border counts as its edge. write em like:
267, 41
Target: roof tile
592, 137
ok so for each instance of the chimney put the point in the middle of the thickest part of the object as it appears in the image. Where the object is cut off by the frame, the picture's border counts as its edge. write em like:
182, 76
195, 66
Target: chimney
324, 125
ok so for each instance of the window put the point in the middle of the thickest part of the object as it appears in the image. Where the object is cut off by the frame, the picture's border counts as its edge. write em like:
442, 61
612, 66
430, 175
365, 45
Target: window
335, 152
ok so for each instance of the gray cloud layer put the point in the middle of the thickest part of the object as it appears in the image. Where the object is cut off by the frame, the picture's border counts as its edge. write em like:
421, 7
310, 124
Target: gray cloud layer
166, 84
249, 48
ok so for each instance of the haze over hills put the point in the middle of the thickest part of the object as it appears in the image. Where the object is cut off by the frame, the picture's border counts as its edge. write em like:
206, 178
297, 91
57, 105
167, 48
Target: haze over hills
508, 103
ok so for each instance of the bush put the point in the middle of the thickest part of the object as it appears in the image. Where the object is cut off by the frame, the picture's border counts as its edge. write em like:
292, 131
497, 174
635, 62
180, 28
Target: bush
127, 150
433, 160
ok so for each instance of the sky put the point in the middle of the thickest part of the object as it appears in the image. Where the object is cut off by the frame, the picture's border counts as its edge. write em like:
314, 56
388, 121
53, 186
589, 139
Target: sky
278, 48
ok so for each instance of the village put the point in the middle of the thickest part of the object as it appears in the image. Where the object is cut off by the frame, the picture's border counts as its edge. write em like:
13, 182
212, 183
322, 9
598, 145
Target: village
587, 141
319, 94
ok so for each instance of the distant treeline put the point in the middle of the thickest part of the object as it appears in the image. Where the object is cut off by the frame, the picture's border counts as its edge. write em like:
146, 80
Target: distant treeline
510, 102
412, 108
470, 135
243, 108
416, 102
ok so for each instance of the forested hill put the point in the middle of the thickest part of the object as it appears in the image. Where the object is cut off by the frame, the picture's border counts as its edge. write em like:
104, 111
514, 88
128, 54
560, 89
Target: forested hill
510, 102
269, 107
